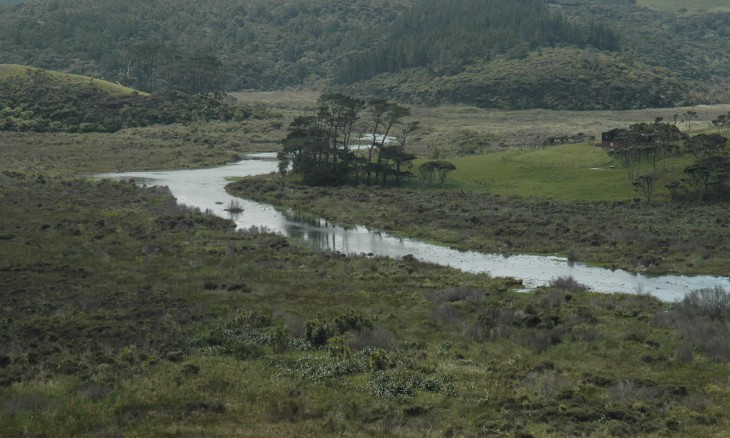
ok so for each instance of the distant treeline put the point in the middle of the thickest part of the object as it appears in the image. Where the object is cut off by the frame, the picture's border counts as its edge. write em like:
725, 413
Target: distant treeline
447, 36
45, 103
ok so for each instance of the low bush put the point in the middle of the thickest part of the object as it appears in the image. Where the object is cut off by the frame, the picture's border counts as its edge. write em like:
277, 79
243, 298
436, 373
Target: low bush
712, 302
568, 284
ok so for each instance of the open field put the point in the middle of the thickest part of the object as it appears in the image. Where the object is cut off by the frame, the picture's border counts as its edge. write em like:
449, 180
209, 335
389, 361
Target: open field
690, 5
580, 172
452, 130
155, 147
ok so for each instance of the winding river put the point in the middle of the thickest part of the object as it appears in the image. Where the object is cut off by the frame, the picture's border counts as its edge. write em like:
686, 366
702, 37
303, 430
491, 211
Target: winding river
204, 189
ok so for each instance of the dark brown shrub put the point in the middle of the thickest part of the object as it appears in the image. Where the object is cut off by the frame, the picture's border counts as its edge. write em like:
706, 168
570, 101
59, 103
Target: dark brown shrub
568, 284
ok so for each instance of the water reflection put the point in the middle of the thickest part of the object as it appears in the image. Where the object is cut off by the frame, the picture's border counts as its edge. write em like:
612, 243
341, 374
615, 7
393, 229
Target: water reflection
204, 188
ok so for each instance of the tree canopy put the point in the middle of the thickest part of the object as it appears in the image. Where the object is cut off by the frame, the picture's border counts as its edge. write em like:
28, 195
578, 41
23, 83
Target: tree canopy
323, 150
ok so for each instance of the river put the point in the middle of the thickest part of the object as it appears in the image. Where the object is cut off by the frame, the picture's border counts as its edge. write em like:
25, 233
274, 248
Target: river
204, 189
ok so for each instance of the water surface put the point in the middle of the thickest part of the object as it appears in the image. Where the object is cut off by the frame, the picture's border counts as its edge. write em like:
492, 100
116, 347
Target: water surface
204, 189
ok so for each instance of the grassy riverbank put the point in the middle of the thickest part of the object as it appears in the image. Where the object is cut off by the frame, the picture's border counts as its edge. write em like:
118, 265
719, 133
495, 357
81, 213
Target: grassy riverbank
638, 236
124, 314
155, 147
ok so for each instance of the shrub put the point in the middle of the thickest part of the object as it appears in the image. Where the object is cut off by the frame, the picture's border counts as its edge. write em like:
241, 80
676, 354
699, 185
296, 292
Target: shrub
279, 339
569, 284
683, 353
338, 347
377, 337
317, 332
712, 302
351, 320
380, 360
448, 315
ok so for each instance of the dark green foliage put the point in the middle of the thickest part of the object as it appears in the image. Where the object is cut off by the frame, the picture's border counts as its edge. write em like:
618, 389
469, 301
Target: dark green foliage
43, 102
447, 36
439, 169
708, 176
558, 78
259, 44
320, 146
441, 51
351, 320
641, 146
318, 332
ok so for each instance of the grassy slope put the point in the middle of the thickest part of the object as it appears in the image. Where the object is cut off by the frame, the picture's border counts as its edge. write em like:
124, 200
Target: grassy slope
691, 5
13, 71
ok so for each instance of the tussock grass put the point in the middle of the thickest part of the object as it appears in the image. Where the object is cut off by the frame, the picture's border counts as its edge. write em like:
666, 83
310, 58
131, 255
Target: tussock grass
123, 313
131, 321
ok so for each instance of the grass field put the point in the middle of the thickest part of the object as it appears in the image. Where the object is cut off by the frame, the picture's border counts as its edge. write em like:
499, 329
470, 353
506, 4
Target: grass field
690, 5
452, 130
20, 71
568, 172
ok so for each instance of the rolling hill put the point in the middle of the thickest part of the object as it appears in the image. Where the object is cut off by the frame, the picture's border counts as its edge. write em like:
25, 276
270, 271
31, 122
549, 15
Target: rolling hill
577, 54
33, 99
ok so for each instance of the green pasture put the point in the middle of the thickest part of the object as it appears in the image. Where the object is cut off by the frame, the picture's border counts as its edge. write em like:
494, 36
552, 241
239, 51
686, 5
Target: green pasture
8, 71
569, 172
690, 5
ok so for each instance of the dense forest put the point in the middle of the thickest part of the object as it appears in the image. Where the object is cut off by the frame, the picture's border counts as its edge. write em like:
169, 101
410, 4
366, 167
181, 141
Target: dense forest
417, 50
260, 44
446, 37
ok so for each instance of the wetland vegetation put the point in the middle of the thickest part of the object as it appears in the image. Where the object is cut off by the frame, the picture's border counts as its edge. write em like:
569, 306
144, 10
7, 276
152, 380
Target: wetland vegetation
162, 320
123, 313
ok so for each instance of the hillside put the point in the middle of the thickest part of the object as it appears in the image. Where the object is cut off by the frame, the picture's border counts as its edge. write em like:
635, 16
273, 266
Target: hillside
607, 55
462, 50
33, 99
261, 44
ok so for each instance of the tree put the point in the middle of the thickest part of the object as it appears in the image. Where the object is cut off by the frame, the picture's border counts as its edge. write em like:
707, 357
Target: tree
722, 122
431, 168
644, 143
688, 116
705, 145
708, 175
384, 116
645, 184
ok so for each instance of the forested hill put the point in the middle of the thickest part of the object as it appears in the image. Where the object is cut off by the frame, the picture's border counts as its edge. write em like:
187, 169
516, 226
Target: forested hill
578, 54
447, 36
260, 44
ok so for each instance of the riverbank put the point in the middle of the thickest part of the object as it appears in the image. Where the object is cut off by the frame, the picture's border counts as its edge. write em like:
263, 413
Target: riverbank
126, 314
635, 236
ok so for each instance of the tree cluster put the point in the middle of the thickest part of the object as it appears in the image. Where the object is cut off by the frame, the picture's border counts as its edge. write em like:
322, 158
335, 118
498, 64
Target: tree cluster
321, 147
708, 176
640, 147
